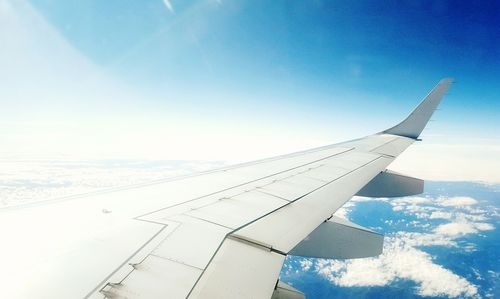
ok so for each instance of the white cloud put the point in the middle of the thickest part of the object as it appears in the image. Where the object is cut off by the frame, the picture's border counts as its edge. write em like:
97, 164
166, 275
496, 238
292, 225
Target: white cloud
484, 226
473, 217
455, 229
398, 208
412, 205
423, 239
29, 180
411, 200
400, 260
457, 201
440, 215
344, 210
305, 264
458, 208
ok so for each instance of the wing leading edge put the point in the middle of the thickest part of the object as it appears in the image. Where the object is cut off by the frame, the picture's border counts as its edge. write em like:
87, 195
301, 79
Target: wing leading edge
219, 234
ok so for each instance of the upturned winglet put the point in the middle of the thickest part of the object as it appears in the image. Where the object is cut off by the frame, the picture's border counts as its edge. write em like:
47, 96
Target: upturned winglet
414, 124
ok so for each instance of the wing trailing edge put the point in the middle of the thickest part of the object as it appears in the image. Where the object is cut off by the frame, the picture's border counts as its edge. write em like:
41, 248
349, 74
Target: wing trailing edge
392, 184
415, 123
338, 238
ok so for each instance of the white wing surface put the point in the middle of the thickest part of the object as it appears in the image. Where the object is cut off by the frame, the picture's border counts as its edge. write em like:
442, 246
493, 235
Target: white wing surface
219, 234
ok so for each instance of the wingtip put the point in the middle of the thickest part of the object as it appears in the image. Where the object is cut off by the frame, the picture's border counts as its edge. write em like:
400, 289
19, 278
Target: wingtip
414, 124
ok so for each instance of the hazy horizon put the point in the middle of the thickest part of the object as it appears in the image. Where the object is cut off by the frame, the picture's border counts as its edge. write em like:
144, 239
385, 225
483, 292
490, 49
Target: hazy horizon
242, 80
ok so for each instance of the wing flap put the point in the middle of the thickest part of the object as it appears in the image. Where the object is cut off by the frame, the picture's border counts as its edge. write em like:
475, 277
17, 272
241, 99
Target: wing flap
338, 238
155, 277
185, 248
392, 184
192, 243
240, 270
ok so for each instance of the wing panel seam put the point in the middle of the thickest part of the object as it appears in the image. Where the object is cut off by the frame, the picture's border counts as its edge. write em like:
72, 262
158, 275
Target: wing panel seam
246, 183
230, 234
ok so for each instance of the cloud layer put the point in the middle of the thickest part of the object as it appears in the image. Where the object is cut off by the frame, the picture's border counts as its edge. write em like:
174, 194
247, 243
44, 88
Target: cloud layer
403, 258
29, 180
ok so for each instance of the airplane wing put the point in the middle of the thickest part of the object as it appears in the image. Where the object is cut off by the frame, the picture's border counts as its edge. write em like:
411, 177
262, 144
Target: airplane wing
218, 234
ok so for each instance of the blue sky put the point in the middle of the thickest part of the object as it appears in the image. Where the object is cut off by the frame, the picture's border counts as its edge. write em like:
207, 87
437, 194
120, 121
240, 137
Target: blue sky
316, 46
323, 70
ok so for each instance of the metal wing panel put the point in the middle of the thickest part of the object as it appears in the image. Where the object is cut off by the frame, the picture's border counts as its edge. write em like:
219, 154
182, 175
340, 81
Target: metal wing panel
272, 236
142, 211
292, 187
170, 267
234, 211
239, 270
395, 147
234, 208
60, 253
155, 277
267, 221
183, 245
310, 210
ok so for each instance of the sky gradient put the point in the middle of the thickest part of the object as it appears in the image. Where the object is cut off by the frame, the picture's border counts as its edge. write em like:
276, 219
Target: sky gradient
236, 80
